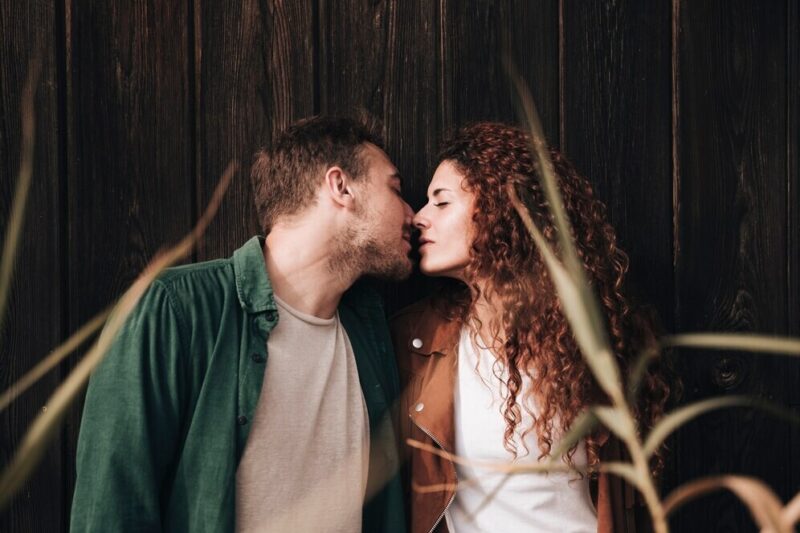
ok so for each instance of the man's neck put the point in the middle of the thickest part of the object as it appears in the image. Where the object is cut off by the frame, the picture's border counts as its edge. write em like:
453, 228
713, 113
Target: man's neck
298, 265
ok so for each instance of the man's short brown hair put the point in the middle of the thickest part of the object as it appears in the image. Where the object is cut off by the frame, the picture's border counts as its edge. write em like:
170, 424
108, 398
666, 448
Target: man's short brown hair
286, 175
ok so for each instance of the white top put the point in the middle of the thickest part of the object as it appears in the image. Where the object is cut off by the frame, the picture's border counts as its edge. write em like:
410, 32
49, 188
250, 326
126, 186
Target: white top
304, 466
484, 502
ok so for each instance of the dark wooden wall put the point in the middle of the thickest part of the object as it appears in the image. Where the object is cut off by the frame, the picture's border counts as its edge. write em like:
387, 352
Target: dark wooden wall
683, 113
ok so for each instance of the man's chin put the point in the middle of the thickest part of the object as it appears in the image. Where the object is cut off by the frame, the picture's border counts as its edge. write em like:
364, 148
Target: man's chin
397, 271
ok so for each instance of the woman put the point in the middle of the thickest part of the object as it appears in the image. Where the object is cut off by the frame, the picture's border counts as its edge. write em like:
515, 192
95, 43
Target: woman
491, 370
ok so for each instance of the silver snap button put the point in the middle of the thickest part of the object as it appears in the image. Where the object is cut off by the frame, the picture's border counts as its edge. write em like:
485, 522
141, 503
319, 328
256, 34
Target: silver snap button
416, 343
419, 407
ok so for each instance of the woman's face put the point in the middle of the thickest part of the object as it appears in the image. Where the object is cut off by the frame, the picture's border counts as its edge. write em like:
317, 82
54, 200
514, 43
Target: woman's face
445, 223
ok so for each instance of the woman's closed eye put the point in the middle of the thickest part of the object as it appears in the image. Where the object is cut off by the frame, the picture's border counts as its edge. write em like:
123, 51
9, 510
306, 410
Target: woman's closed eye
441, 204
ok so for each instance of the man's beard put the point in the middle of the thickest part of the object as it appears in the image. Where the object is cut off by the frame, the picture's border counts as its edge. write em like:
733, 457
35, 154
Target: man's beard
359, 253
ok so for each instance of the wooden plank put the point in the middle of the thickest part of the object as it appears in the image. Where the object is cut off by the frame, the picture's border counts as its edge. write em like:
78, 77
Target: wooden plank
379, 58
130, 153
731, 251
793, 224
475, 85
34, 319
616, 102
793, 193
255, 76
616, 128
793, 461
386, 69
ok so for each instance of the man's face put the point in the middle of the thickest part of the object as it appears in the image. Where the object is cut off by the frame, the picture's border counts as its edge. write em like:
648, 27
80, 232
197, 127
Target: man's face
382, 231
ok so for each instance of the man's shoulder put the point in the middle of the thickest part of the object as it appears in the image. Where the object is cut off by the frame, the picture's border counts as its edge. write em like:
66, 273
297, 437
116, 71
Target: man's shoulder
195, 286
216, 271
197, 274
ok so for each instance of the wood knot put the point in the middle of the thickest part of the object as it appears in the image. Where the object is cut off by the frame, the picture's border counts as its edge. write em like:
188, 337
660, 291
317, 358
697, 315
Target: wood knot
728, 372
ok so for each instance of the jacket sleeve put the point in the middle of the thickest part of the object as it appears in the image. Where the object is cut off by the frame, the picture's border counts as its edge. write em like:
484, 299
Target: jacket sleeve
132, 422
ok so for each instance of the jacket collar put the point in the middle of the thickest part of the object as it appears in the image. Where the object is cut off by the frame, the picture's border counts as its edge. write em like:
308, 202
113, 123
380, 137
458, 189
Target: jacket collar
252, 283
434, 334
435, 337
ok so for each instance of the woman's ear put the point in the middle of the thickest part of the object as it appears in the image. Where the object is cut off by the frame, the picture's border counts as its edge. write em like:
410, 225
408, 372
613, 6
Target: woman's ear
339, 187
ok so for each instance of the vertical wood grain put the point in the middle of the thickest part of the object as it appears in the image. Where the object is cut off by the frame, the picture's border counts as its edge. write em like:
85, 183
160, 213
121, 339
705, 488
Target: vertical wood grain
34, 316
255, 75
731, 265
379, 59
617, 128
474, 37
793, 191
129, 150
793, 223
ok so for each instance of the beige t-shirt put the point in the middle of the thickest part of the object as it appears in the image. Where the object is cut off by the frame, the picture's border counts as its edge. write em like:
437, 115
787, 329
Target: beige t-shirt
305, 463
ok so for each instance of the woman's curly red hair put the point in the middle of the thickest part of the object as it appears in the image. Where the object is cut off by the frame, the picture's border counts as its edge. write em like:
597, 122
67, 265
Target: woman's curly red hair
538, 341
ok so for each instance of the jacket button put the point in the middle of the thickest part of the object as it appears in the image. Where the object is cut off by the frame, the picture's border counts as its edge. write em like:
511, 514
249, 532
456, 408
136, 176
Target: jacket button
241, 420
419, 407
416, 343
258, 358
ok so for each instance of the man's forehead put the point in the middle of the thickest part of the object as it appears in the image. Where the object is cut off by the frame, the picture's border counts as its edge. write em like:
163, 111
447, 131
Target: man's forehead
374, 156
373, 152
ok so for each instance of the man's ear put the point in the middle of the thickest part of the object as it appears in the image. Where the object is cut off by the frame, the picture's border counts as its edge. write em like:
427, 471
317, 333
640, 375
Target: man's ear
339, 186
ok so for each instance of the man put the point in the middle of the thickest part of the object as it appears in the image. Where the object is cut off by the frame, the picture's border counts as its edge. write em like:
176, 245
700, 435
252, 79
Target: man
253, 393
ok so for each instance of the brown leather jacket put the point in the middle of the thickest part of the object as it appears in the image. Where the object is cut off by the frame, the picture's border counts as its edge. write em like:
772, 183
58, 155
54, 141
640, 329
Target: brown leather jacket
426, 346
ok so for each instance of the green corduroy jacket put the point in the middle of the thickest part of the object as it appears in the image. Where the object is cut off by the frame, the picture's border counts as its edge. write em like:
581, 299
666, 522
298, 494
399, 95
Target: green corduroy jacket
169, 409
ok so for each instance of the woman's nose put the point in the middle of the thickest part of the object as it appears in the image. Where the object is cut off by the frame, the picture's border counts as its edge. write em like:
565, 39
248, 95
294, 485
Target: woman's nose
419, 220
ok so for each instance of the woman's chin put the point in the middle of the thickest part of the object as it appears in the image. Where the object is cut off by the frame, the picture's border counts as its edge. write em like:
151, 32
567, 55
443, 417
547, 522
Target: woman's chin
438, 272
430, 270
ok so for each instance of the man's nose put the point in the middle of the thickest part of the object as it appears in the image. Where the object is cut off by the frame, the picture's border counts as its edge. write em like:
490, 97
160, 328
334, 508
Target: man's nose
409, 214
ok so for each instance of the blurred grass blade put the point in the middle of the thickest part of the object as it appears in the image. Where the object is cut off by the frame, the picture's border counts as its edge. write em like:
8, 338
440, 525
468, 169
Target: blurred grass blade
674, 420
491, 495
735, 341
763, 504
493, 466
550, 186
626, 471
617, 421
596, 352
581, 426
52, 360
17, 217
666, 426
580, 305
548, 181
791, 513
46, 424
638, 370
